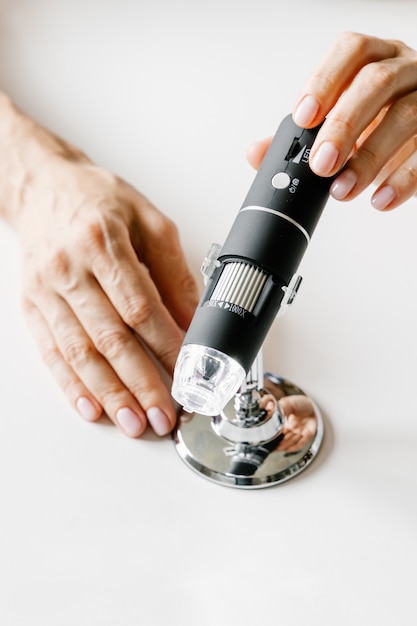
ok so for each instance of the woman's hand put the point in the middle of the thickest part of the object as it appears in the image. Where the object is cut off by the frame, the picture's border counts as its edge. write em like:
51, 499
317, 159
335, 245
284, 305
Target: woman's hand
366, 88
300, 423
105, 283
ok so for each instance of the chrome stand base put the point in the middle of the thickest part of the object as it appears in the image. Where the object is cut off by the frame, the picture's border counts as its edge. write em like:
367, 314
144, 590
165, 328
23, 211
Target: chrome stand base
253, 464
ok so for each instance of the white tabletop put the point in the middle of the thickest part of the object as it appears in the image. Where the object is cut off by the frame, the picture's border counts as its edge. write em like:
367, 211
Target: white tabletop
97, 529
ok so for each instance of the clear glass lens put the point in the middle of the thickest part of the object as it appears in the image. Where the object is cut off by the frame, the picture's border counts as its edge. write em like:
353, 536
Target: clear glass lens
205, 379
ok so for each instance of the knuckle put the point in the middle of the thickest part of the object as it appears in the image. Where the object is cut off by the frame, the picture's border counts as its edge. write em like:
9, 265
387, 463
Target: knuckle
168, 356
110, 394
405, 112
112, 342
58, 263
174, 253
351, 40
138, 311
59, 269
164, 229
346, 45
77, 353
341, 125
402, 47
50, 354
96, 233
102, 232
70, 387
187, 285
368, 156
169, 229
73, 388
379, 75
144, 387
166, 352
360, 43
411, 173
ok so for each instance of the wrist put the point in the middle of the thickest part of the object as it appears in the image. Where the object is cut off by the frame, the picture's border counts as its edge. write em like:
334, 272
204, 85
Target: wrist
27, 152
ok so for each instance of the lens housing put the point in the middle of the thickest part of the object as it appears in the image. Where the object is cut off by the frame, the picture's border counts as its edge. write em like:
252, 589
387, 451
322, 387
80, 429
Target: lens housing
205, 379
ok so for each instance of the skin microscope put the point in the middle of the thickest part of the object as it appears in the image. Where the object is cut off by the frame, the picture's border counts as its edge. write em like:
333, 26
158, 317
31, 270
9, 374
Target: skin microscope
241, 427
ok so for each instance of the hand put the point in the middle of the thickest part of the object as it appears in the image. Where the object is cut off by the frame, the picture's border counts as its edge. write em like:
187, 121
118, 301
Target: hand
105, 284
300, 423
370, 132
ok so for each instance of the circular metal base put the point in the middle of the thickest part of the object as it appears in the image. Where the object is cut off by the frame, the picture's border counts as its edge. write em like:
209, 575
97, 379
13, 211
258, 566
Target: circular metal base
247, 465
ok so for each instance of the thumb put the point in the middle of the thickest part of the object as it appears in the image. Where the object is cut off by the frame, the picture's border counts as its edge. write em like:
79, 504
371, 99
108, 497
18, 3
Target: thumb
257, 151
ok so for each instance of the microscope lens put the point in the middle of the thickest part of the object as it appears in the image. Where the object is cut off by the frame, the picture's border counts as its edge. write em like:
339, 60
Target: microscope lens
205, 379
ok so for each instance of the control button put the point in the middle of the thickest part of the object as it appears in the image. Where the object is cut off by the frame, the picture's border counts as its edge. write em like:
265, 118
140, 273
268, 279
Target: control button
281, 180
294, 149
290, 292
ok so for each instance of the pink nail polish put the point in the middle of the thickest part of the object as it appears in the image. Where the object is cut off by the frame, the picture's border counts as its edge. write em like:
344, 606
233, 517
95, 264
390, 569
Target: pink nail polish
325, 158
129, 421
343, 184
383, 197
159, 421
86, 409
306, 111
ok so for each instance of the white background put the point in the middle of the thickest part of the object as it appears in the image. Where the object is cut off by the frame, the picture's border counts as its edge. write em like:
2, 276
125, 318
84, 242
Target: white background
100, 530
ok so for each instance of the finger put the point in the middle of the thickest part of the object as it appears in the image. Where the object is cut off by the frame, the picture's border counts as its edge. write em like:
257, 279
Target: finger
170, 272
256, 152
91, 368
349, 53
398, 186
290, 442
123, 352
160, 250
128, 286
76, 392
295, 445
296, 406
404, 153
373, 88
392, 139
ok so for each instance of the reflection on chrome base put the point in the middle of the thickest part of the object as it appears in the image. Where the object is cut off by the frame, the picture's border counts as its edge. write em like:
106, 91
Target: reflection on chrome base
262, 438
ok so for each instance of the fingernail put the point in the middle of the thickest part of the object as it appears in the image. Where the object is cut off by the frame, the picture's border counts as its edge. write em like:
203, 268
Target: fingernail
129, 421
325, 158
306, 111
383, 197
159, 421
87, 409
343, 184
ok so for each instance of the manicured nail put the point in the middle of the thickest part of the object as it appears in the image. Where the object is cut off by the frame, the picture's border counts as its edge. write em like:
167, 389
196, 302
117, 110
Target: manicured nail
383, 197
159, 421
325, 158
87, 409
306, 111
129, 421
343, 184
